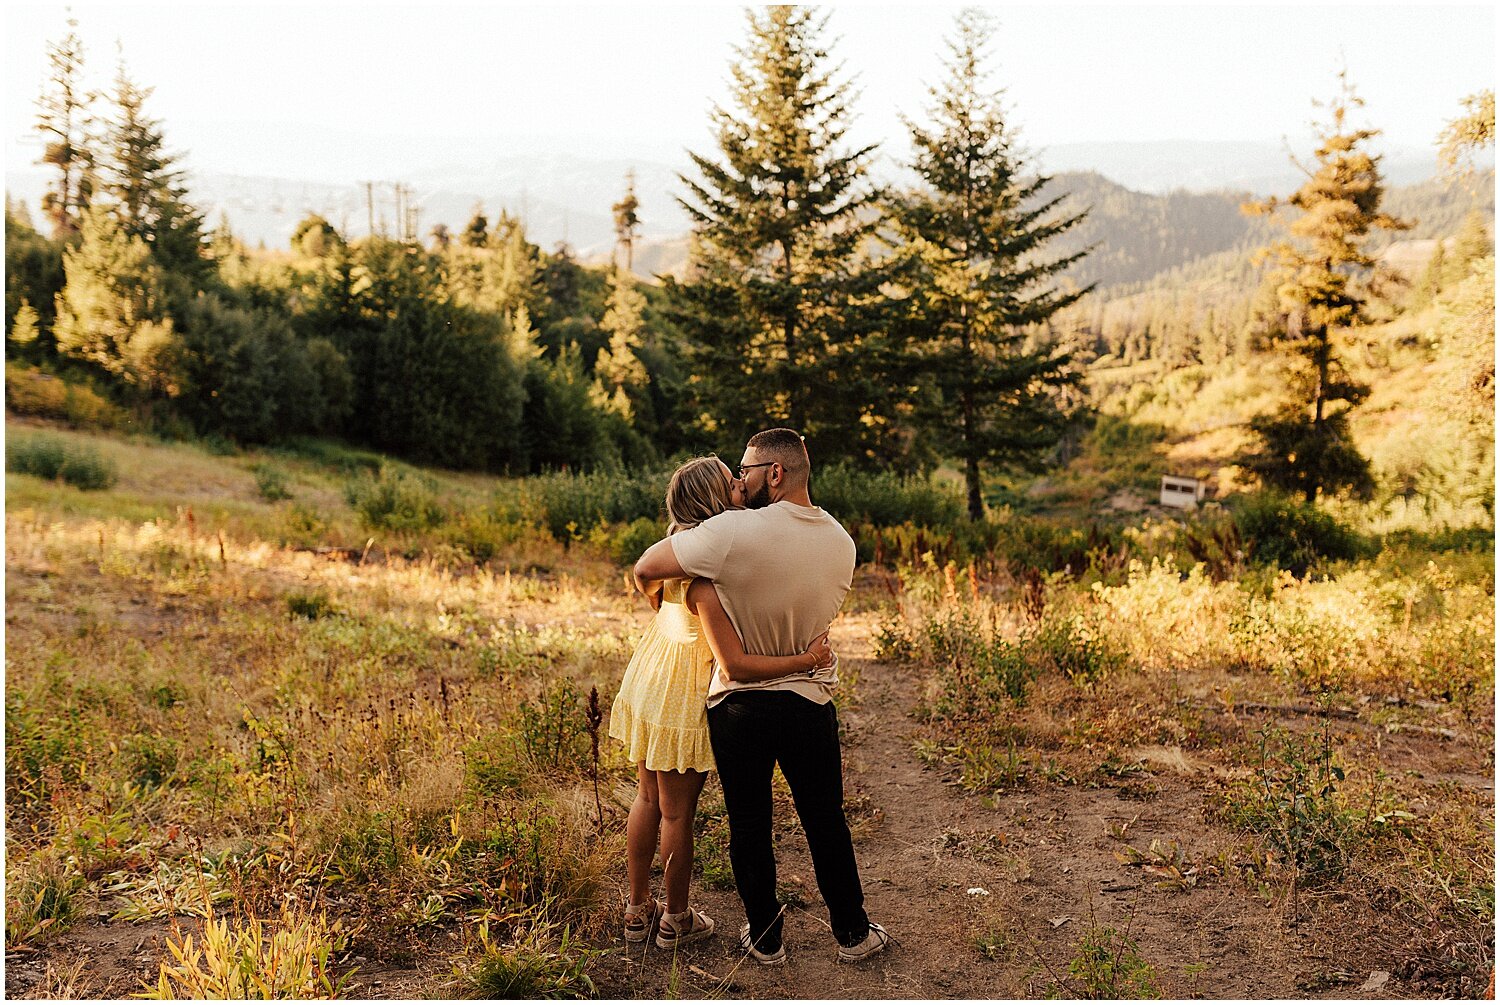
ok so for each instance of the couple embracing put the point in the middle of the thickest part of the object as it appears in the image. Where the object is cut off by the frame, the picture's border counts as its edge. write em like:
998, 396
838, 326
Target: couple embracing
735, 674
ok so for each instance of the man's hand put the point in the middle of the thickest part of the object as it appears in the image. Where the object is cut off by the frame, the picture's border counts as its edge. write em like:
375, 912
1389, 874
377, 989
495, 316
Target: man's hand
653, 595
819, 649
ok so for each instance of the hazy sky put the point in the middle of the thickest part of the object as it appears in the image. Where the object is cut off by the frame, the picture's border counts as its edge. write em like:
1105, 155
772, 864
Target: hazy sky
239, 85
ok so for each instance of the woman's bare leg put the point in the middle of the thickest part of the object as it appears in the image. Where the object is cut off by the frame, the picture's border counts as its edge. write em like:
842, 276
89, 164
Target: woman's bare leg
678, 801
641, 830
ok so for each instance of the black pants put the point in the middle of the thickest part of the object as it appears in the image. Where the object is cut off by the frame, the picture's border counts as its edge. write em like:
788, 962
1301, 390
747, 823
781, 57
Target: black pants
751, 732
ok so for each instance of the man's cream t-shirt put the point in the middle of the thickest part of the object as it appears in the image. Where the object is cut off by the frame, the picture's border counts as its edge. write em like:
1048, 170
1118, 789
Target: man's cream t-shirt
781, 573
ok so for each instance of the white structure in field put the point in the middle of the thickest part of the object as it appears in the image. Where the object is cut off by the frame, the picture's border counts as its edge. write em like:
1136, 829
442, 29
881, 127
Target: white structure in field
1182, 493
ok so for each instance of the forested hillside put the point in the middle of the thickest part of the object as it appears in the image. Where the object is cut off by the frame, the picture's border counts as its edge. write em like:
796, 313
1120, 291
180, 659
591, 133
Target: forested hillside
471, 346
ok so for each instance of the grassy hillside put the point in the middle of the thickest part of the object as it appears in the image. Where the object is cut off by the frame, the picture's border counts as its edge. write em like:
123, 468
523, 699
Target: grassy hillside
253, 689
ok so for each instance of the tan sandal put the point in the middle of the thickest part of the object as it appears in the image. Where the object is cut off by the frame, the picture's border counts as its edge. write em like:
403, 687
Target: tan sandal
641, 918
680, 929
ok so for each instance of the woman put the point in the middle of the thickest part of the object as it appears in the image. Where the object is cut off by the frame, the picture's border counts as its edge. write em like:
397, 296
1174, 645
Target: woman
659, 714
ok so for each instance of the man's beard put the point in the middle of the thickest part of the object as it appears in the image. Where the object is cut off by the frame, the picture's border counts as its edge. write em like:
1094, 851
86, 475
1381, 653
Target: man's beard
762, 497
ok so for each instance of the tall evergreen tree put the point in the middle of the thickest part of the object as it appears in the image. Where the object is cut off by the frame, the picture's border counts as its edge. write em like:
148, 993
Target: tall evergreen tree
1472, 243
476, 233
619, 370
977, 277
112, 313
1464, 137
1306, 447
145, 184
627, 221
781, 309
1430, 284
23, 331
315, 237
65, 122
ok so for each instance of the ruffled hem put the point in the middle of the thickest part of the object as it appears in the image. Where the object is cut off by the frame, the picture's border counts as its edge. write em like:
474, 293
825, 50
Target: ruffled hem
662, 748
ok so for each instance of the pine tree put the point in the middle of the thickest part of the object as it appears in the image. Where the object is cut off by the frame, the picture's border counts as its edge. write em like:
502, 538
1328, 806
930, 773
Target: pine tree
33, 272
476, 234
23, 331
315, 237
1430, 285
1463, 138
1471, 244
145, 185
627, 221
619, 370
972, 244
1306, 446
65, 122
111, 311
781, 309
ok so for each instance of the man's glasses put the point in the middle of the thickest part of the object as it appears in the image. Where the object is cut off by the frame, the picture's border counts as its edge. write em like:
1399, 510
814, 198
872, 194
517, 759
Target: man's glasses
747, 467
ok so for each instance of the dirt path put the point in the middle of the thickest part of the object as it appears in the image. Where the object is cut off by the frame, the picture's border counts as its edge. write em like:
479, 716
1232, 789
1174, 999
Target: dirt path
989, 899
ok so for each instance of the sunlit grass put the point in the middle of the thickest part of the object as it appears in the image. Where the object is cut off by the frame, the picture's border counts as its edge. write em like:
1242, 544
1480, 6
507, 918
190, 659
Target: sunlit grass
204, 711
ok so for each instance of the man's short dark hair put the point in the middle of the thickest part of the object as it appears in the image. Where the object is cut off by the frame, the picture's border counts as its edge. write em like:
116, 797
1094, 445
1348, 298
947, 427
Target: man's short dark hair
784, 446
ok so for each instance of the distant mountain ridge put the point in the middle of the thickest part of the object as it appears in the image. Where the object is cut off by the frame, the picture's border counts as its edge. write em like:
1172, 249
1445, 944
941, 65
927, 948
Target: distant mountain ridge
1258, 167
1154, 206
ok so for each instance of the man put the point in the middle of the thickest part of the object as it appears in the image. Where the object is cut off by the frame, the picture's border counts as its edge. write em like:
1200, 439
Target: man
781, 569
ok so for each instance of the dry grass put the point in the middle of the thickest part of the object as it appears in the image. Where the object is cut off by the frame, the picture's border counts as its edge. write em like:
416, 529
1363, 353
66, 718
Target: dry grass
202, 718
199, 715
1309, 712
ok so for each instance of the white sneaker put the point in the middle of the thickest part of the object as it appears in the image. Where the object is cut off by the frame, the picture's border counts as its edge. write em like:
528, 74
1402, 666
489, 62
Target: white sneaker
775, 959
877, 941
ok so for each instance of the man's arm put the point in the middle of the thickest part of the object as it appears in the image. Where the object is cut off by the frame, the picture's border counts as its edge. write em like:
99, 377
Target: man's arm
657, 565
743, 667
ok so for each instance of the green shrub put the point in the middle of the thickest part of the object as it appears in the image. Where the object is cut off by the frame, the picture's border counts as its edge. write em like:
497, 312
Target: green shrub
492, 766
482, 533
303, 526
271, 481
311, 606
45, 457
44, 900
1078, 650
1109, 965
573, 504
711, 848
347, 461
86, 470
1019, 542
44, 747
29, 391
1293, 802
219, 445
396, 500
539, 965
1278, 530
553, 730
41, 456
150, 758
627, 543
884, 499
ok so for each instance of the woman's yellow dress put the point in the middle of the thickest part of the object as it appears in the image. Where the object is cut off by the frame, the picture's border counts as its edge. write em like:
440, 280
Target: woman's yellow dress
660, 713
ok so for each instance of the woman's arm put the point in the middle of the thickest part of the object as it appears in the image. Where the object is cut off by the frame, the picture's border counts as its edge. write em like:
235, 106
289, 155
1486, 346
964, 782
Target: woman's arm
657, 565
742, 667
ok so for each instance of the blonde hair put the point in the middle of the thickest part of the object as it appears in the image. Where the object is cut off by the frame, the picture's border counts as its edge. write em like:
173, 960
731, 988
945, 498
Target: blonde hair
696, 491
